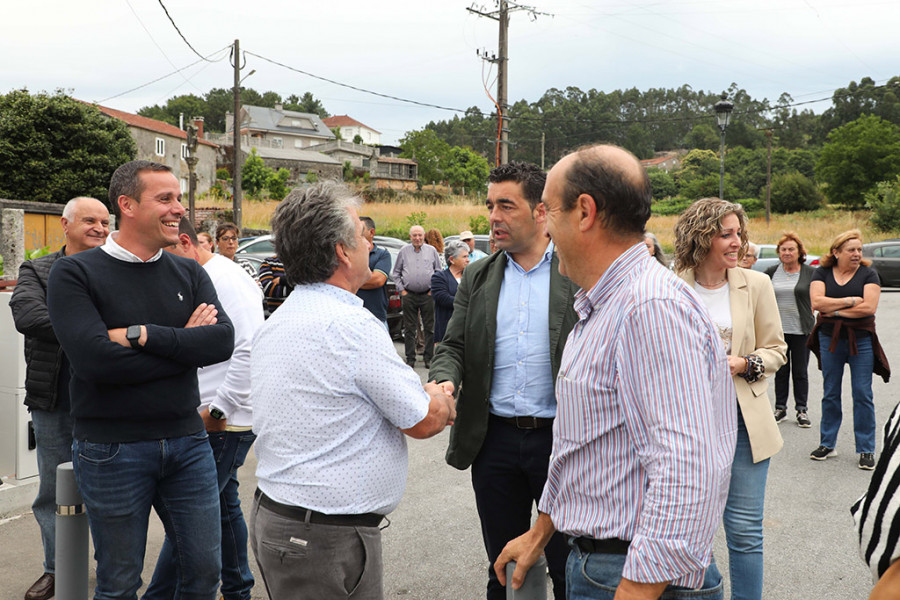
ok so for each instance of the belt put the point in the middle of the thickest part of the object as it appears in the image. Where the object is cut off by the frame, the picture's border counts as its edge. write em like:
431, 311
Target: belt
417, 293
607, 546
310, 516
526, 422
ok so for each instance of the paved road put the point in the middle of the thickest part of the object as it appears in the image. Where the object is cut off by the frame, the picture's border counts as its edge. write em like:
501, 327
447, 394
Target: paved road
433, 545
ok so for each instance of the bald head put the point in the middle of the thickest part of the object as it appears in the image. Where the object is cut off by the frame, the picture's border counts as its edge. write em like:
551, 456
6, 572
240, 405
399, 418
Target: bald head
615, 180
417, 236
85, 223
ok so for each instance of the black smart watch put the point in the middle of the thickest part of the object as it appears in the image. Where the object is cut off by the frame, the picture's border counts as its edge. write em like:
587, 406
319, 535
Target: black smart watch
133, 335
216, 414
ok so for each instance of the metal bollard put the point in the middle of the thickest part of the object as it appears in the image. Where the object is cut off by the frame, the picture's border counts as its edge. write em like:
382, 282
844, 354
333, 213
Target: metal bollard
72, 547
535, 585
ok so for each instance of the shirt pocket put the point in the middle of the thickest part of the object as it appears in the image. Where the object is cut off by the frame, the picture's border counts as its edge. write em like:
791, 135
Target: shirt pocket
586, 409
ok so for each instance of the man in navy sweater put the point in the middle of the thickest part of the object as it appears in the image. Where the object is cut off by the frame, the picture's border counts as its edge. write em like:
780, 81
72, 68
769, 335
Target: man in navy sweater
136, 323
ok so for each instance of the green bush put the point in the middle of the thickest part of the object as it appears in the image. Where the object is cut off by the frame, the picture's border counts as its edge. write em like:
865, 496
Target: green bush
793, 192
663, 184
884, 201
416, 218
479, 224
753, 207
674, 205
223, 174
277, 184
311, 177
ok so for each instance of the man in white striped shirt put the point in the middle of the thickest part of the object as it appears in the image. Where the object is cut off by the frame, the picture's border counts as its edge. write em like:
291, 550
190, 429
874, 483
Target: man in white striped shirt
646, 419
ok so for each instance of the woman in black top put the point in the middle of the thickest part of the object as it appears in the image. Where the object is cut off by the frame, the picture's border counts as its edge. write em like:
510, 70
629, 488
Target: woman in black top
845, 291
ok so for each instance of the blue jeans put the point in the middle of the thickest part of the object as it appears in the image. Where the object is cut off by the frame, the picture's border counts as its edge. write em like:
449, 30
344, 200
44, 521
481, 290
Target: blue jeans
121, 481
595, 576
229, 448
53, 434
743, 519
861, 367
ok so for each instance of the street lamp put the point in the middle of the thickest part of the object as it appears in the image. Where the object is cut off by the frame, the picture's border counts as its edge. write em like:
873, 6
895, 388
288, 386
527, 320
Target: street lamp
723, 116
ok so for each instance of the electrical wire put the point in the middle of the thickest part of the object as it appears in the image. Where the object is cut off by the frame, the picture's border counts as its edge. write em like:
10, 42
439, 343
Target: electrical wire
143, 85
171, 20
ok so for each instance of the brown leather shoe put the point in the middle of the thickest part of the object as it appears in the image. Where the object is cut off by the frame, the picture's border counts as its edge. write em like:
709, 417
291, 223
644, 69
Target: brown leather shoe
42, 589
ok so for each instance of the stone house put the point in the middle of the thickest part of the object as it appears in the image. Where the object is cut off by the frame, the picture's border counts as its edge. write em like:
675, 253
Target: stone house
163, 143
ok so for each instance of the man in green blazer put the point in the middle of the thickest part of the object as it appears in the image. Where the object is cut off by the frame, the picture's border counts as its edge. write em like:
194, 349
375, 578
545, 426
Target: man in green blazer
501, 353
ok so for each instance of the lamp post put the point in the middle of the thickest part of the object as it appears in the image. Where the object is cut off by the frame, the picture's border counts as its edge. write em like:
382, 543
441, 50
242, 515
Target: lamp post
723, 115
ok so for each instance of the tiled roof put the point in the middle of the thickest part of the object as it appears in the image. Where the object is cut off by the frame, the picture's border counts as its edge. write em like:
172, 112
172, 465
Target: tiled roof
147, 123
657, 161
346, 121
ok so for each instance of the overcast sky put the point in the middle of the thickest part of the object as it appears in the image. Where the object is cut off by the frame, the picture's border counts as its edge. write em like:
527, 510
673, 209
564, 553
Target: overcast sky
425, 50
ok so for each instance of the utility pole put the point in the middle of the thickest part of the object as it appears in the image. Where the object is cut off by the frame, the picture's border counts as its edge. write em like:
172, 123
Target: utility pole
236, 138
768, 174
501, 15
192, 176
543, 141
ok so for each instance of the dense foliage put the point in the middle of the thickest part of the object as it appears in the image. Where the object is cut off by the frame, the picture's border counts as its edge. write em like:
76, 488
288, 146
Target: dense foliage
54, 148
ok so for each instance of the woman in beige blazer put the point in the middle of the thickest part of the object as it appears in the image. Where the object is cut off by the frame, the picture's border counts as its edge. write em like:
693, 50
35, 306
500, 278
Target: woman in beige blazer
710, 238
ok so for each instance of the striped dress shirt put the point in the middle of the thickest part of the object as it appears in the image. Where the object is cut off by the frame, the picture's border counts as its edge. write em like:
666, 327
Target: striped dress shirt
646, 423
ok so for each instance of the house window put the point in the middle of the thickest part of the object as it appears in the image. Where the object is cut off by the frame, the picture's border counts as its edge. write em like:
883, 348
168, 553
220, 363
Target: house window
184, 186
160, 147
277, 142
298, 143
184, 151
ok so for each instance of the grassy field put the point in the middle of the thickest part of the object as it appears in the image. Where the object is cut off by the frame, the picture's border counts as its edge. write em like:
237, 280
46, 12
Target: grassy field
816, 228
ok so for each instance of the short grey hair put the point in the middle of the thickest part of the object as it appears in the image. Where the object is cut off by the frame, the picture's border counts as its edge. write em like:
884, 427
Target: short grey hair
69, 208
453, 249
752, 250
308, 224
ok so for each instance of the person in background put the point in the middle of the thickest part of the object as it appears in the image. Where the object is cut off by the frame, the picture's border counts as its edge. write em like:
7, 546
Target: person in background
416, 263
492, 243
206, 241
791, 279
227, 236
710, 237
373, 292
227, 411
274, 283
444, 284
655, 249
845, 291
469, 238
85, 225
750, 256
434, 238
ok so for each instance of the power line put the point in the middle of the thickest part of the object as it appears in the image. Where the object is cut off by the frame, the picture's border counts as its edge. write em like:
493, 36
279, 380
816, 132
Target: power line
171, 20
353, 87
134, 89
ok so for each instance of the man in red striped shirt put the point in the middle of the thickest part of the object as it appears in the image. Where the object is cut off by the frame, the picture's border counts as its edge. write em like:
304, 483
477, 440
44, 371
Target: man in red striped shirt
646, 418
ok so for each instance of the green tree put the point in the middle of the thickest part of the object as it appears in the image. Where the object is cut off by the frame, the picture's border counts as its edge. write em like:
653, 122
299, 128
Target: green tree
467, 169
429, 151
856, 157
53, 147
277, 184
703, 136
357, 139
337, 132
663, 184
307, 103
254, 174
884, 202
792, 192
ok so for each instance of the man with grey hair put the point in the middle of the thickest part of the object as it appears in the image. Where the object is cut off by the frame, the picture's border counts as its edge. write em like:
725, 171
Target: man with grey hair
85, 225
331, 412
416, 263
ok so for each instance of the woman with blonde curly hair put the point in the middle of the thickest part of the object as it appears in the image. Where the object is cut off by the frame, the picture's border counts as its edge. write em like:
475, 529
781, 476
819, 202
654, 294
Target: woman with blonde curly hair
845, 291
710, 238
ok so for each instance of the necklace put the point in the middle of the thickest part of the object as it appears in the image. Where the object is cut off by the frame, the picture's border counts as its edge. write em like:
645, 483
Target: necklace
714, 284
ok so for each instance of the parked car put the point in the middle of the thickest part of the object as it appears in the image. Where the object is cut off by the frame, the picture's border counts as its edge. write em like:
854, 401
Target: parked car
768, 257
885, 257
482, 241
261, 246
389, 242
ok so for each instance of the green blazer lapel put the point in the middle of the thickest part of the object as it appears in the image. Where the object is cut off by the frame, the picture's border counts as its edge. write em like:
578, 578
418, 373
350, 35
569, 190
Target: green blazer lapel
560, 300
491, 292
739, 300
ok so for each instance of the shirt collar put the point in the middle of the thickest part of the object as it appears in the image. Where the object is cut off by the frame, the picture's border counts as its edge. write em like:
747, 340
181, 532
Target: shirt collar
612, 279
339, 294
546, 258
118, 252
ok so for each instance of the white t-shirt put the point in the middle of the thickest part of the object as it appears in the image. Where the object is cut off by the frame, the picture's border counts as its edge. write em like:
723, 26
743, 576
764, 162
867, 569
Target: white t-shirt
718, 303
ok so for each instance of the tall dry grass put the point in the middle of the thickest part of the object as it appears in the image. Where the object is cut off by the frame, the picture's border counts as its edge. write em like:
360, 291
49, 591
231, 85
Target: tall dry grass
816, 228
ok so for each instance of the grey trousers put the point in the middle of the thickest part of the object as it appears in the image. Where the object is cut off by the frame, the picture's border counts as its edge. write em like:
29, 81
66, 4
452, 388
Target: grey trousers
304, 561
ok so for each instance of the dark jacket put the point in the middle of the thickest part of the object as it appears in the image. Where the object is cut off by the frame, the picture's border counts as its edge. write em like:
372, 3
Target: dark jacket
466, 355
880, 366
43, 355
443, 290
801, 293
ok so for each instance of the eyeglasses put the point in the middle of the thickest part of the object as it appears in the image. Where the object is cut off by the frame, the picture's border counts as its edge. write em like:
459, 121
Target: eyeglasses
227, 238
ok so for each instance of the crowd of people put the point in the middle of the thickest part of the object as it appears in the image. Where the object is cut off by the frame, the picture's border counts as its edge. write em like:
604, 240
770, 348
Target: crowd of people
579, 375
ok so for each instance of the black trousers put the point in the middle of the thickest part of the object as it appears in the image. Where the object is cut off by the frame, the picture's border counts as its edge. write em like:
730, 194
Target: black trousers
795, 368
508, 476
413, 305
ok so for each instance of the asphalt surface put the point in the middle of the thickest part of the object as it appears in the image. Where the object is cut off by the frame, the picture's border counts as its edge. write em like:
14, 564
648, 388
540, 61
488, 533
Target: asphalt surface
433, 547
